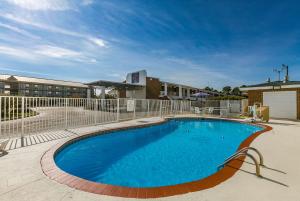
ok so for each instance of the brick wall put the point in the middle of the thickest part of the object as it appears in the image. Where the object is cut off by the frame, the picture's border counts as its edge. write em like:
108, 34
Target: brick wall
152, 88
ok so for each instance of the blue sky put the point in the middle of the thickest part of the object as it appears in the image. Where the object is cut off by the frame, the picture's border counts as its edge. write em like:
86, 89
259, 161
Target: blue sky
192, 42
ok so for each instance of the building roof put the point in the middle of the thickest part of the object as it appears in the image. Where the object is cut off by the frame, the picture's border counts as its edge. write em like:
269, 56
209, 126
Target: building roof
41, 81
272, 85
119, 85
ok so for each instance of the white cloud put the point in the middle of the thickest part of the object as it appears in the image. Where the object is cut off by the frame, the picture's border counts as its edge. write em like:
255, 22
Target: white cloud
16, 52
96, 41
57, 52
63, 53
39, 25
40, 53
55, 5
19, 31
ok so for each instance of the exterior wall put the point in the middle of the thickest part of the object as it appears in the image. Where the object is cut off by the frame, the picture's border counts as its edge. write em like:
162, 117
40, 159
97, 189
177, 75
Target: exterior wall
122, 93
257, 96
138, 94
153, 88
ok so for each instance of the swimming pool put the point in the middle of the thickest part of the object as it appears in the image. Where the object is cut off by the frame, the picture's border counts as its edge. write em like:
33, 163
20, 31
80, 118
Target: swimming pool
175, 152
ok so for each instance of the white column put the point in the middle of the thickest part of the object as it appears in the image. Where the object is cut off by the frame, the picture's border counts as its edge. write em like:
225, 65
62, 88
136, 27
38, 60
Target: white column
166, 89
180, 91
188, 93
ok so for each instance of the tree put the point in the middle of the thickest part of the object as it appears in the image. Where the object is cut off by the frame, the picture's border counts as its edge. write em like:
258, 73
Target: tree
208, 88
226, 90
236, 91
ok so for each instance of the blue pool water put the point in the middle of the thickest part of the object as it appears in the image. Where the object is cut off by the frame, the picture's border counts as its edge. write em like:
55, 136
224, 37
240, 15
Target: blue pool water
174, 152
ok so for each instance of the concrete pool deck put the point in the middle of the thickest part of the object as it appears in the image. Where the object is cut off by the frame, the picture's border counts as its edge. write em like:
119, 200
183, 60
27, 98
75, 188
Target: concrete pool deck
21, 176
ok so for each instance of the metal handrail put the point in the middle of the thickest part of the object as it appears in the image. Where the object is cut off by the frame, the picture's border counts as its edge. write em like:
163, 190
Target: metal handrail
261, 158
244, 150
257, 167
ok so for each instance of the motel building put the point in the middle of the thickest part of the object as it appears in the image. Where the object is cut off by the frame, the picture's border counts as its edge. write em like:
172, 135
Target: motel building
13, 85
137, 85
140, 86
283, 97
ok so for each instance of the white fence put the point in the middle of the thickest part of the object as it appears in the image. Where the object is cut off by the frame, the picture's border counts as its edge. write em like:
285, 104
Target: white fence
22, 116
225, 108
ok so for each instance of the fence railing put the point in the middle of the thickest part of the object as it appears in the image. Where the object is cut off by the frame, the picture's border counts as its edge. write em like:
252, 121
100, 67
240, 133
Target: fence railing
23, 116
224, 108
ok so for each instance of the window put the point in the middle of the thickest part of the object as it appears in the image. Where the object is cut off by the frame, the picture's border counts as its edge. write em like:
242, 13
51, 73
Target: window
22, 86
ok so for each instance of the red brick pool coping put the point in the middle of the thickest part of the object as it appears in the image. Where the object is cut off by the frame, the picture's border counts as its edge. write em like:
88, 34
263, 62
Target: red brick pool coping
55, 173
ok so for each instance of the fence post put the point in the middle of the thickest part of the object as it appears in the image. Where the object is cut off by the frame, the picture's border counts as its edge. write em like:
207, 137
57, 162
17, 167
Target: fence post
22, 128
134, 104
228, 106
160, 108
180, 106
66, 113
118, 110
148, 107
95, 110
190, 109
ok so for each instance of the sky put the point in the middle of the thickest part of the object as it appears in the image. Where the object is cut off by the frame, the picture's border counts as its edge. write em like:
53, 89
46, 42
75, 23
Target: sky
193, 42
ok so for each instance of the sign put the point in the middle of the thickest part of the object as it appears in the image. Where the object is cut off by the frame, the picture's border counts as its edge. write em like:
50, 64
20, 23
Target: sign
130, 105
135, 77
